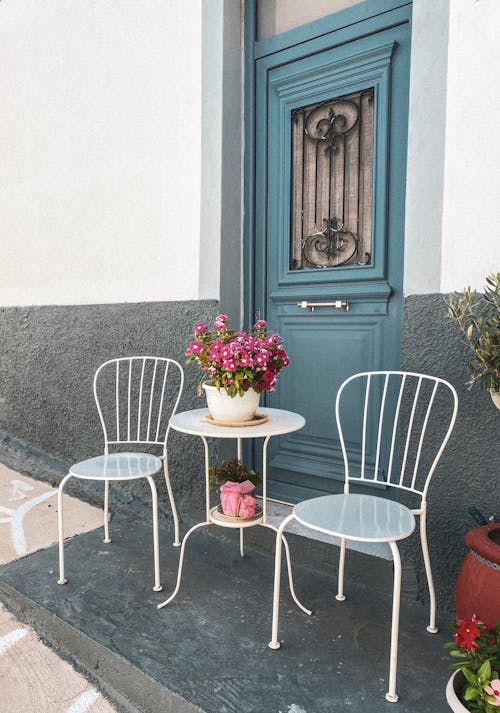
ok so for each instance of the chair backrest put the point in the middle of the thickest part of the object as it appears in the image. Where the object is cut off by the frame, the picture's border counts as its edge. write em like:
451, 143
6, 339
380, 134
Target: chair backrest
136, 397
393, 427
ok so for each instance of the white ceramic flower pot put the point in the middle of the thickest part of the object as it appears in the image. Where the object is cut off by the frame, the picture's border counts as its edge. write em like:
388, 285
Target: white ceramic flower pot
495, 397
223, 407
452, 698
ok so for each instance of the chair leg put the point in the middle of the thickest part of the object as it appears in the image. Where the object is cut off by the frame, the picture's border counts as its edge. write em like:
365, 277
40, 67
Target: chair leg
242, 542
177, 542
156, 546
107, 539
340, 597
391, 694
274, 643
290, 579
60, 524
432, 628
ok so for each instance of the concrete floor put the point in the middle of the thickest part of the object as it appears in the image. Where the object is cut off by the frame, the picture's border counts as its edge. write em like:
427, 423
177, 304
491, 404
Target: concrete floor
207, 651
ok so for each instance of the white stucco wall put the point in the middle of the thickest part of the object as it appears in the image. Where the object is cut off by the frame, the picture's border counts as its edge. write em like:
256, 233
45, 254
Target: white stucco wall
100, 146
426, 138
452, 206
471, 205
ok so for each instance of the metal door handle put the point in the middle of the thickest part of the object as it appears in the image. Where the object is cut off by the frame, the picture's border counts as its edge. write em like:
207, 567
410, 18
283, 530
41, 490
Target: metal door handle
311, 306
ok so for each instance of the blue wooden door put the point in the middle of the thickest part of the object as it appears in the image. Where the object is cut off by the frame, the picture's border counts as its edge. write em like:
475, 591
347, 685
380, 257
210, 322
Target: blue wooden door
330, 147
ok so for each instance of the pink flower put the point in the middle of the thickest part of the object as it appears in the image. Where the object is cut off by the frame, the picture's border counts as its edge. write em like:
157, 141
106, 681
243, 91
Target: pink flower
199, 327
220, 322
494, 690
215, 355
261, 358
260, 324
194, 348
221, 353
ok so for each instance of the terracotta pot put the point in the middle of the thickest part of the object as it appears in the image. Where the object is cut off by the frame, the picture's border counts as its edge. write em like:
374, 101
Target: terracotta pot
478, 582
223, 407
453, 688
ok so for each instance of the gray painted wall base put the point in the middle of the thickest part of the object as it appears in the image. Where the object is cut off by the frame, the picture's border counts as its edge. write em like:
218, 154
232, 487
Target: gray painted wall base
48, 359
469, 470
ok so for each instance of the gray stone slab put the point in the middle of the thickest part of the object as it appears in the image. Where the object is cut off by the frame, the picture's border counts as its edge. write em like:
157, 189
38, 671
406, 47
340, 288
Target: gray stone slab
208, 649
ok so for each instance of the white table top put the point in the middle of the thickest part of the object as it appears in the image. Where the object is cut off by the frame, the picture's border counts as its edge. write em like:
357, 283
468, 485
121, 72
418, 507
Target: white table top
279, 422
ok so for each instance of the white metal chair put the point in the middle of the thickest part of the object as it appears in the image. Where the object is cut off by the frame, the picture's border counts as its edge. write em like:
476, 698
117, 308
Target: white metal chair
381, 415
135, 397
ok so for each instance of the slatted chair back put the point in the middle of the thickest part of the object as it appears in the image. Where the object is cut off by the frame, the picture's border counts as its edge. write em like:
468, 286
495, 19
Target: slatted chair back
136, 397
393, 428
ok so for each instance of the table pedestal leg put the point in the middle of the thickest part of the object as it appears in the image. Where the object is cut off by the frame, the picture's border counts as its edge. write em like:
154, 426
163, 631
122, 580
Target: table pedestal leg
181, 561
289, 567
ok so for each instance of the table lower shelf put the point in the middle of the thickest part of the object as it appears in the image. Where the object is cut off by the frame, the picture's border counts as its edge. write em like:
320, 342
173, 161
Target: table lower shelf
219, 518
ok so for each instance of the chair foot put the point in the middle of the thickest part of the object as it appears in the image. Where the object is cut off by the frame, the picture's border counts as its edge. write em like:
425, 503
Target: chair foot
274, 645
432, 629
107, 541
392, 697
177, 544
158, 589
340, 597
62, 581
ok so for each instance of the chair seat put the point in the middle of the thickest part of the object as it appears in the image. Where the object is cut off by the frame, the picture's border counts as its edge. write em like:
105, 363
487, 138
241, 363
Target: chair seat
117, 466
366, 518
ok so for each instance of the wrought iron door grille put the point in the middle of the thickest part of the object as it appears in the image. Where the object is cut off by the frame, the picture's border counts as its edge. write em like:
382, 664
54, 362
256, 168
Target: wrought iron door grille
332, 182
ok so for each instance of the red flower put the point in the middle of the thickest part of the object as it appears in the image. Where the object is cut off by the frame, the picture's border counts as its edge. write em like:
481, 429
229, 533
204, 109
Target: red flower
466, 636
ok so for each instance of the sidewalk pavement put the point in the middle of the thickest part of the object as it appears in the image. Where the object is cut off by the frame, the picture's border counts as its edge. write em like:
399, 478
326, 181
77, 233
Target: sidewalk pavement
33, 677
207, 650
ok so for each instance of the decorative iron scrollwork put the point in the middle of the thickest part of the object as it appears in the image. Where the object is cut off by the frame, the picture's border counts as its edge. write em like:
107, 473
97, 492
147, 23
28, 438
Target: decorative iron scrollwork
331, 247
332, 150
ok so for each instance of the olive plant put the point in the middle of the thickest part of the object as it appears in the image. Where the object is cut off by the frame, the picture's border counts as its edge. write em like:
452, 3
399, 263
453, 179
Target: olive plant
478, 319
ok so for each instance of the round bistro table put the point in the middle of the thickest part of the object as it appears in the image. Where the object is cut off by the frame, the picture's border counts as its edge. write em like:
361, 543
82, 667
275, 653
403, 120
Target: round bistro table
194, 423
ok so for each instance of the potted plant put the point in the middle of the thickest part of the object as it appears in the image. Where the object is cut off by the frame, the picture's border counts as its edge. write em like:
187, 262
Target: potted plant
478, 583
236, 367
235, 482
478, 318
475, 685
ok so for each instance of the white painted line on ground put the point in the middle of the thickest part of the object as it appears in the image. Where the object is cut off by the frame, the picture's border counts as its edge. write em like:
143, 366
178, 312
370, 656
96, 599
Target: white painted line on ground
19, 489
17, 517
10, 639
83, 702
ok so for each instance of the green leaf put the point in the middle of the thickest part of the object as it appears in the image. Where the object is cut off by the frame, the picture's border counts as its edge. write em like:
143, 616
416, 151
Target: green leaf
485, 670
471, 693
470, 676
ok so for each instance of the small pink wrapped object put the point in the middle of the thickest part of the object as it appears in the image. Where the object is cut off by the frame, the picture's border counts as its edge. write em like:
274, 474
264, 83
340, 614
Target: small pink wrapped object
236, 500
